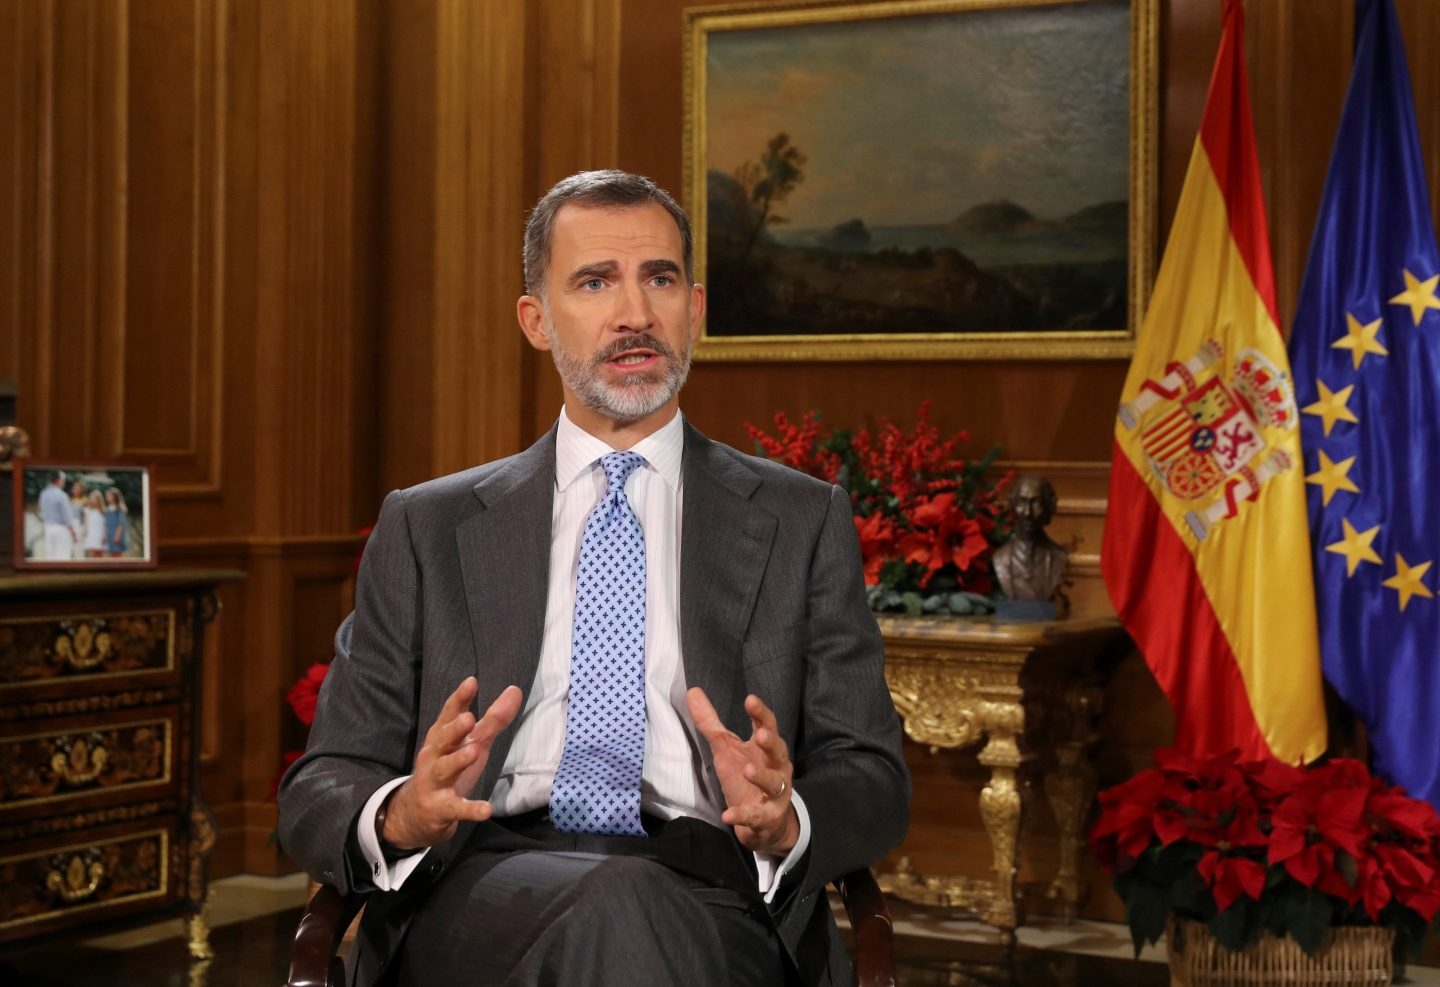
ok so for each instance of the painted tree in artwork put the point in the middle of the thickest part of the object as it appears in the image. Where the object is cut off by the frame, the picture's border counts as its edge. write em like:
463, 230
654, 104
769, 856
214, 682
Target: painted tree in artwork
768, 182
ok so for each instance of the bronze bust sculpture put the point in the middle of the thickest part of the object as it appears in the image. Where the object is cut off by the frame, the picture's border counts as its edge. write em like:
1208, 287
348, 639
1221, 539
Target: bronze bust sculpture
1030, 566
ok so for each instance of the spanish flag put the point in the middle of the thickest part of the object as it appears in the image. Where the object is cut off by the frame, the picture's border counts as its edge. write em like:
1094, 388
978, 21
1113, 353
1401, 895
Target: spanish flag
1206, 554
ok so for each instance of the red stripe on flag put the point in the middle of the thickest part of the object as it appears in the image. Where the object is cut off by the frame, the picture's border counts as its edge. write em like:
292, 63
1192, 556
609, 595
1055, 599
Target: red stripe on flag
1170, 436
1228, 135
1156, 591
1167, 447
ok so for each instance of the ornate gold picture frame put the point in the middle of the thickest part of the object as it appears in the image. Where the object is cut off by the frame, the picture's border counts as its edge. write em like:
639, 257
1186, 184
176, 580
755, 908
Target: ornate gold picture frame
922, 178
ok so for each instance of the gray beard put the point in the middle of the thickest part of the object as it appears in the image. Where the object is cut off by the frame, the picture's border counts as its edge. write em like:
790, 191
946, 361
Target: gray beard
642, 396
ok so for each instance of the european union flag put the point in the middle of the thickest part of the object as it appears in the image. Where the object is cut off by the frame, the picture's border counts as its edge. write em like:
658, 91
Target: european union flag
1365, 350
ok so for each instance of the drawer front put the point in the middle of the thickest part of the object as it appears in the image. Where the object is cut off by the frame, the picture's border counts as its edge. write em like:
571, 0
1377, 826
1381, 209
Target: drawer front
73, 763
84, 882
63, 648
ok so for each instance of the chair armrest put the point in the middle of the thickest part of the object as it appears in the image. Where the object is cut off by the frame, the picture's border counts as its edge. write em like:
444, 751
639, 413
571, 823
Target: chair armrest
874, 932
313, 956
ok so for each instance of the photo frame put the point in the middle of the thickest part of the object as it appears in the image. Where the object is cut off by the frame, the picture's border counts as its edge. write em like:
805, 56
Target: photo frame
863, 185
99, 515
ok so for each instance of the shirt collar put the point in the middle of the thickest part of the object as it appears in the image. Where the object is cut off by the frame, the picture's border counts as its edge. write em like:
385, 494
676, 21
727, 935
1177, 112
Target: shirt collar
576, 451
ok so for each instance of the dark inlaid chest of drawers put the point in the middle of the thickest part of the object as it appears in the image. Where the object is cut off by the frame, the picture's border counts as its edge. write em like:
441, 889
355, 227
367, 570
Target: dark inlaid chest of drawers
101, 819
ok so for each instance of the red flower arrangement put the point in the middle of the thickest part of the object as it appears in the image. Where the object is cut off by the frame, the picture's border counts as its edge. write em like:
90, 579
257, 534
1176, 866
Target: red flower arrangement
304, 693
1252, 846
928, 518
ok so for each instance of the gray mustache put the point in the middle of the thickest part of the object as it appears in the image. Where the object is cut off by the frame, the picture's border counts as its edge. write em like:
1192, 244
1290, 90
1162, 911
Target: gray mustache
642, 342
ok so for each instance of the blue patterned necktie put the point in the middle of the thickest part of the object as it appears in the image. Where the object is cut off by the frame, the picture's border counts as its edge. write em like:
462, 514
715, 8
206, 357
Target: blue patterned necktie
597, 785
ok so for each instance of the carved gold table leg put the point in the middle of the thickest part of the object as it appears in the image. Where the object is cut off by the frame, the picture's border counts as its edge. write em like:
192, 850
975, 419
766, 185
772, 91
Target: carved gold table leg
1002, 808
1069, 787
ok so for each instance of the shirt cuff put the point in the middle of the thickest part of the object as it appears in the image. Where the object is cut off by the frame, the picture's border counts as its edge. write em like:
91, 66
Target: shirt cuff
386, 875
771, 868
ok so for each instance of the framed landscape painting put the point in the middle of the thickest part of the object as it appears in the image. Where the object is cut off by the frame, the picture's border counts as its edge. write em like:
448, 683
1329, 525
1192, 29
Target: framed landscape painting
83, 515
922, 178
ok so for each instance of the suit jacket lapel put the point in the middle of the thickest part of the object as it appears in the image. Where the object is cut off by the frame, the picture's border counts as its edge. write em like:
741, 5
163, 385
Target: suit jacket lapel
505, 562
724, 545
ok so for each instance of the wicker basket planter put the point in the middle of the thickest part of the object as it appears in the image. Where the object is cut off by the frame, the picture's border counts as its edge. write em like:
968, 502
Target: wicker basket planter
1349, 957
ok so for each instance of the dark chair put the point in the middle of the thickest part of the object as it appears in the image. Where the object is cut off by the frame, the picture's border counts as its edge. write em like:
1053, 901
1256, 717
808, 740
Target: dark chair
316, 961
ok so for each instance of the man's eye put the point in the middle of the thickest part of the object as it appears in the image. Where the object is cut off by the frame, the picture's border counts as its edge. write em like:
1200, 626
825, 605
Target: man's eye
592, 284
663, 280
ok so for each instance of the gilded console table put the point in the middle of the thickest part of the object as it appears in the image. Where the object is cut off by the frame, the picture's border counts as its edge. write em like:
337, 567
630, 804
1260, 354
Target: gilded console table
1032, 692
101, 819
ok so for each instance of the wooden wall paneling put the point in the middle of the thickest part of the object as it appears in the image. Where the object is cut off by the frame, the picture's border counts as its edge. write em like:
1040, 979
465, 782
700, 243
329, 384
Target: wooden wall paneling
366, 285
480, 191
650, 114
170, 403
312, 309
579, 80
406, 346
76, 183
456, 173
19, 136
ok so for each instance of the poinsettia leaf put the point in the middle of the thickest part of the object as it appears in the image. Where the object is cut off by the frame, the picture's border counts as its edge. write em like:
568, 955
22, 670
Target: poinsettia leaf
1236, 926
1146, 908
1306, 917
1191, 896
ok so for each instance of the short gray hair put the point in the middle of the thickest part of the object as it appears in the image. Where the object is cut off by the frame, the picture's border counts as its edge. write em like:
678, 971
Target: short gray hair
609, 189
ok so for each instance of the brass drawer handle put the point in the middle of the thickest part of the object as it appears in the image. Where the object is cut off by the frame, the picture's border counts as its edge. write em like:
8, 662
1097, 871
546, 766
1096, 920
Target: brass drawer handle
77, 880
80, 761
84, 647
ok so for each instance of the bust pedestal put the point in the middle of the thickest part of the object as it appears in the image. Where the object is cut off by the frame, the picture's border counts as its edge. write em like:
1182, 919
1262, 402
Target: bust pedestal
1031, 693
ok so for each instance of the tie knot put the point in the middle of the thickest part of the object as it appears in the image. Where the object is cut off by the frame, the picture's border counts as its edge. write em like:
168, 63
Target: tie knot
618, 466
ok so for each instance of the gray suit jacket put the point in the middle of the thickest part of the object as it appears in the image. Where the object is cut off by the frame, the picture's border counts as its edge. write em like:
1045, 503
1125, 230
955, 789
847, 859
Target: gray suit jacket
454, 582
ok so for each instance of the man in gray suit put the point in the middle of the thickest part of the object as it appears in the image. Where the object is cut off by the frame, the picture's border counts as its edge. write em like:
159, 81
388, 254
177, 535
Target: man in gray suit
771, 752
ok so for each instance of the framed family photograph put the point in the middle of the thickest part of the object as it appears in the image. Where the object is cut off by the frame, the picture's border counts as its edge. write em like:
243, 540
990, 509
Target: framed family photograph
83, 515
922, 178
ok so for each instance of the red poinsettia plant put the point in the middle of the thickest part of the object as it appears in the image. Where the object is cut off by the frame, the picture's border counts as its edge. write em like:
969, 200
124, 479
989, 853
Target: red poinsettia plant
929, 518
1250, 846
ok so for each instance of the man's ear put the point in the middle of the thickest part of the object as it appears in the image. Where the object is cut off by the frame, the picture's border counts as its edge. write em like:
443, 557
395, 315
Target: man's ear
530, 311
697, 310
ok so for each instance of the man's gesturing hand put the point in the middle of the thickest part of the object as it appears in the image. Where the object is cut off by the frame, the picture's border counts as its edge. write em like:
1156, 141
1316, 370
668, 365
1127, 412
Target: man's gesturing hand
754, 774
427, 808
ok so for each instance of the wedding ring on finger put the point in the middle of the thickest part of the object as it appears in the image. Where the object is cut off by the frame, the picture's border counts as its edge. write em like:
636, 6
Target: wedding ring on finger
766, 796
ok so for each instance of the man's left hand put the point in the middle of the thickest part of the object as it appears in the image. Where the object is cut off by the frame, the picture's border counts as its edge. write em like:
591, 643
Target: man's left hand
755, 775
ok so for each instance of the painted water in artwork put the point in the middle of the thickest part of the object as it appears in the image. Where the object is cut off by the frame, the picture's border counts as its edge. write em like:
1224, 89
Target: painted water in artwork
963, 172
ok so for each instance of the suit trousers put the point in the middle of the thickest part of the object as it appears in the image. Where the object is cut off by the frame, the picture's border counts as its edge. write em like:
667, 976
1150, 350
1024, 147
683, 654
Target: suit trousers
527, 905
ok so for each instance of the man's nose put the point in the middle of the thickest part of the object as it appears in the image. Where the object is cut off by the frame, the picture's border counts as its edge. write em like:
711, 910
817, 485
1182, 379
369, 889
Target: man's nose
632, 308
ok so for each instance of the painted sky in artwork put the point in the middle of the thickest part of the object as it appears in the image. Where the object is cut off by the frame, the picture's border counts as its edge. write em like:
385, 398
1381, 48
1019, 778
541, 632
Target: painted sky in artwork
913, 120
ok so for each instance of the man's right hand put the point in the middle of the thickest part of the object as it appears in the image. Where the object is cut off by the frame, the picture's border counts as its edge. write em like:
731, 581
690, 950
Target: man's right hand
427, 808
